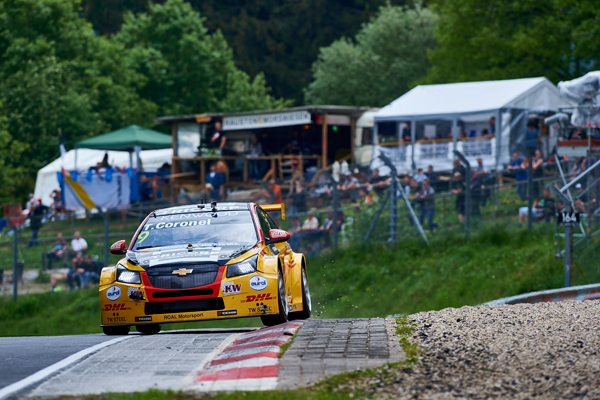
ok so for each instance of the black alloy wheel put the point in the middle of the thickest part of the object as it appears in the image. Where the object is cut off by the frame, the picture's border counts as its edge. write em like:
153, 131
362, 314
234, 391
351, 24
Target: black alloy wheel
306, 300
115, 330
148, 329
282, 317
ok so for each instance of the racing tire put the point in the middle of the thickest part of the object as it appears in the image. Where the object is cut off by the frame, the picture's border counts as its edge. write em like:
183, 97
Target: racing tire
148, 329
115, 330
306, 300
282, 317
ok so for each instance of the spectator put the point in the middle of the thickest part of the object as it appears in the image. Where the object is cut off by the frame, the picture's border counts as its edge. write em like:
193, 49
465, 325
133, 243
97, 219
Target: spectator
254, 165
57, 251
56, 200
493, 126
218, 139
377, 182
352, 187
426, 198
54, 287
458, 188
543, 207
78, 244
299, 196
406, 134
311, 223
532, 138
215, 183
485, 134
91, 271
482, 179
420, 176
73, 275
431, 175
35, 222
275, 189
295, 233
518, 166
406, 185
537, 171
31, 203
582, 199
147, 188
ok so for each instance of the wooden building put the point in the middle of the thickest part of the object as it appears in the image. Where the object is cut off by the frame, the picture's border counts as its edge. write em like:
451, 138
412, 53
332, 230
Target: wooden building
294, 140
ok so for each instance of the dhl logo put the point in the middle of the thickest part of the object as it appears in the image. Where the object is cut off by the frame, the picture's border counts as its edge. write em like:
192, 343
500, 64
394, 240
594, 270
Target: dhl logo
116, 307
258, 297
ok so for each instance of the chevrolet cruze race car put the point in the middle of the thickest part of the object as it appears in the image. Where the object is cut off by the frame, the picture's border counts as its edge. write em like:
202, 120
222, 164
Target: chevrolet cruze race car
204, 262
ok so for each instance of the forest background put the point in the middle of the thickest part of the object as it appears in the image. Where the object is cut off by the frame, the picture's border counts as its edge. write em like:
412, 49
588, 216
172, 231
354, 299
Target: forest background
92, 66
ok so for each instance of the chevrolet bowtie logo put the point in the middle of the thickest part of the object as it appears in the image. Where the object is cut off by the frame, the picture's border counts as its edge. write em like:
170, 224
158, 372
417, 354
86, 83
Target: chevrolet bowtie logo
182, 272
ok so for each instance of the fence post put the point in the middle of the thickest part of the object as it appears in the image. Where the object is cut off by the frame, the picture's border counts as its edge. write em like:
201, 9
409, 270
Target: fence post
393, 207
15, 261
105, 220
530, 193
335, 212
467, 165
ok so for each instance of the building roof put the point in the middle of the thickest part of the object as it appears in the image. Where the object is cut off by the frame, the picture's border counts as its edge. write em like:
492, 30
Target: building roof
453, 99
338, 110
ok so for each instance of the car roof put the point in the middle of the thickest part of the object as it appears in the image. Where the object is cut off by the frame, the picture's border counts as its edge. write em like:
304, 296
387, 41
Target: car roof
190, 208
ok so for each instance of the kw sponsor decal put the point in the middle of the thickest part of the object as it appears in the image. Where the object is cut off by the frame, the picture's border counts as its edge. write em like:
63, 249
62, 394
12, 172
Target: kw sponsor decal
113, 293
116, 307
230, 312
231, 288
135, 293
258, 297
258, 283
143, 319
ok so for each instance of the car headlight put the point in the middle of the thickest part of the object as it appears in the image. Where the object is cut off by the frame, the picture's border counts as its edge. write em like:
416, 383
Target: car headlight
126, 276
247, 266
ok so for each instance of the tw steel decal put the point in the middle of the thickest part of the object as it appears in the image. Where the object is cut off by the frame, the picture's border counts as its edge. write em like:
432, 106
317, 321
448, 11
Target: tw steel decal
259, 297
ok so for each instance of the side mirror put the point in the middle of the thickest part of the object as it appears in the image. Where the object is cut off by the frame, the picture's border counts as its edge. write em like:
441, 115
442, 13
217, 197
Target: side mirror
278, 236
119, 247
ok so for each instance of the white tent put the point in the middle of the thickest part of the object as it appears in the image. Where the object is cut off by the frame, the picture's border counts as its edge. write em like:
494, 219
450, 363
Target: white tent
82, 159
435, 111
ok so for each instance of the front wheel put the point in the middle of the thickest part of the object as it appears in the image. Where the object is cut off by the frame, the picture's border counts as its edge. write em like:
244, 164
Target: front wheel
306, 301
148, 329
115, 330
282, 317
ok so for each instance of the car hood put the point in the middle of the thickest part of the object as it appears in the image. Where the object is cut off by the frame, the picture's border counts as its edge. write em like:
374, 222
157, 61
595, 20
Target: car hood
181, 254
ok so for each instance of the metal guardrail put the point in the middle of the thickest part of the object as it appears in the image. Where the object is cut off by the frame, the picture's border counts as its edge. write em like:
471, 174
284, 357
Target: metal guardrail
584, 292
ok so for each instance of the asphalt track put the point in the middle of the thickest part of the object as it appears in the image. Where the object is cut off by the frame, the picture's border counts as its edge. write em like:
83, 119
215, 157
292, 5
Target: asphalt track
192, 360
21, 357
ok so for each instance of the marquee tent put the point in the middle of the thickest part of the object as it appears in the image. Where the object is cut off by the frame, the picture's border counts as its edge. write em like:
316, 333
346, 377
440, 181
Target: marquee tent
128, 139
82, 159
436, 111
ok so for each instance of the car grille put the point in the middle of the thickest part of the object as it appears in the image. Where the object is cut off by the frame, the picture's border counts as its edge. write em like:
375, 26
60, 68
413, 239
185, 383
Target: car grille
167, 307
201, 275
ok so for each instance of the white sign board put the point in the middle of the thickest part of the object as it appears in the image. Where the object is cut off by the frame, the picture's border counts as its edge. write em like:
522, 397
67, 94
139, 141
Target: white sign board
266, 120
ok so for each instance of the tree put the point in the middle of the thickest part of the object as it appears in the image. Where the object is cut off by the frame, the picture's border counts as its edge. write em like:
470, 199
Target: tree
503, 39
10, 176
186, 69
56, 73
386, 57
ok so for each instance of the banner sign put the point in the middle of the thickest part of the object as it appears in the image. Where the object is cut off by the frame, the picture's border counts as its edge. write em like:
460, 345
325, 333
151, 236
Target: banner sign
477, 148
396, 154
266, 120
430, 151
107, 191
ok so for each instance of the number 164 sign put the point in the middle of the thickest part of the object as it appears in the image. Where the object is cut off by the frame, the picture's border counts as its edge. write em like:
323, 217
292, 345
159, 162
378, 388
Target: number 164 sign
568, 218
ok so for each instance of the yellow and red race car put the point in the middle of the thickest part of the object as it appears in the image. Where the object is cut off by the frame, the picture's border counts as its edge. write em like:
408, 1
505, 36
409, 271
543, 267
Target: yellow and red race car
204, 262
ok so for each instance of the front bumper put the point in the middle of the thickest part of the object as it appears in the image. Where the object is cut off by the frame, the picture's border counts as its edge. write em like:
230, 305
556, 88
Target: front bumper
127, 304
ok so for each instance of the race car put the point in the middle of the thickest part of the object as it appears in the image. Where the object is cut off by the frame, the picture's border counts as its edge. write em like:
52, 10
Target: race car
204, 262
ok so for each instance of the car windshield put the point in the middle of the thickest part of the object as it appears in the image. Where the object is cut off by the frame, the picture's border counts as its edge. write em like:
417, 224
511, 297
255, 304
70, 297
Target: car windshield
231, 227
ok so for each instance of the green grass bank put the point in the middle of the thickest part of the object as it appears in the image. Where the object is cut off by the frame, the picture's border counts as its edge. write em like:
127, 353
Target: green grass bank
365, 280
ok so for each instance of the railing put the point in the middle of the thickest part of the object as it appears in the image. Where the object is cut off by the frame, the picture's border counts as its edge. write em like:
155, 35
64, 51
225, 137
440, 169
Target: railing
279, 166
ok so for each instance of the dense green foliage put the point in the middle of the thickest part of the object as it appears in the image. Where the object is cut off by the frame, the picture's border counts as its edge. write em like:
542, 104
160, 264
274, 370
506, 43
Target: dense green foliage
55, 72
364, 281
280, 38
503, 39
387, 56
